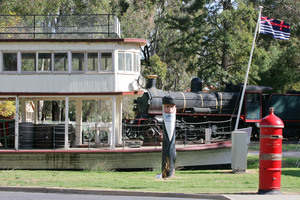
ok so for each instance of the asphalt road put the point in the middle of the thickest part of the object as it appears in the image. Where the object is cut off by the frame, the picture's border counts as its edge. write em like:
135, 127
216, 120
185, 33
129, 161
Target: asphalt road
11, 195
57, 196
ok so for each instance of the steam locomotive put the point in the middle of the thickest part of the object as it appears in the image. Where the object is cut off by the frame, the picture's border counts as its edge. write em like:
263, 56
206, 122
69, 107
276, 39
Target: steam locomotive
199, 110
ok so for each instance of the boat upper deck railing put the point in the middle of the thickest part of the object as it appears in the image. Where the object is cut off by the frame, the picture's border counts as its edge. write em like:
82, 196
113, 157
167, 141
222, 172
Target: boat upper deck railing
83, 26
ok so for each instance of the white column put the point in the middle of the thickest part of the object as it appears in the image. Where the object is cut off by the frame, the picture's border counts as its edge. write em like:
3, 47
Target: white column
119, 120
23, 109
17, 124
19, 62
36, 111
66, 122
115, 68
69, 62
207, 135
1, 61
113, 131
78, 139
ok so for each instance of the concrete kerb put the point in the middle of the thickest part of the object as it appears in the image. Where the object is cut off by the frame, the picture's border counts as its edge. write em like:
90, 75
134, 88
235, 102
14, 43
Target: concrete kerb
110, 192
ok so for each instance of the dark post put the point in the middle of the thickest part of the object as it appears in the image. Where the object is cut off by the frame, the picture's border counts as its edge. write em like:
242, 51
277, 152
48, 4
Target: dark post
168, 147
34, 26
108, 18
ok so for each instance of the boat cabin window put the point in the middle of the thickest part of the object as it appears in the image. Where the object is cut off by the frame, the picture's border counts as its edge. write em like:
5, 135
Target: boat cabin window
28, 62
92, 61
60, 62
129, 62
121, 61
136, 63
106, 62
44, 62
10, 62
77, 61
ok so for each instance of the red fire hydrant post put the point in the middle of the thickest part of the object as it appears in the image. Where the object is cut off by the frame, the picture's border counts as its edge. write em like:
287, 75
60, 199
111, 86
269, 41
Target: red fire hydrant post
270, 154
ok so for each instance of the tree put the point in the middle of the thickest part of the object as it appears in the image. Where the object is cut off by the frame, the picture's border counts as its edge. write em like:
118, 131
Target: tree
7, 109
220, 35
283, 55
285, 61
157, 67
215, 37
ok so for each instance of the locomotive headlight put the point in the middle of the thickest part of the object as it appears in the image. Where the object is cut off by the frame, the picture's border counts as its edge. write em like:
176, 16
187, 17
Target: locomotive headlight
257, 124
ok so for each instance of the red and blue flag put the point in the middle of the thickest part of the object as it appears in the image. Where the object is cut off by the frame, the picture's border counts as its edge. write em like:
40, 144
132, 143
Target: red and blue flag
279, 29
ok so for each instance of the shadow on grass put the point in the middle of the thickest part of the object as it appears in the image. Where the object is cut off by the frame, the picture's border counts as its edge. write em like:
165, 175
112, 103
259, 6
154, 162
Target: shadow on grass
206, 172
132, 188
287, 172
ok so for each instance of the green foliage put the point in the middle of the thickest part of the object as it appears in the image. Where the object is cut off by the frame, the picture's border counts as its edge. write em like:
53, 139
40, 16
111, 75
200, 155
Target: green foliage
221, 34
127, 107
158, 68
137, 17
7, 108
284, 71
280, 66
55, 7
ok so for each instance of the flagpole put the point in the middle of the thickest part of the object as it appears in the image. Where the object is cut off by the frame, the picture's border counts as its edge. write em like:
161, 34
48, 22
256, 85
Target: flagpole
248, 69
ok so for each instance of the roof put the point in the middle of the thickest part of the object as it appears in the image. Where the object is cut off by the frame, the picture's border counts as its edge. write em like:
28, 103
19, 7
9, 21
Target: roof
139, 41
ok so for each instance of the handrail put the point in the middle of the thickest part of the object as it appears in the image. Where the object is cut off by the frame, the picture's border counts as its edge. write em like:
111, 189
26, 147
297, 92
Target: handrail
79, 26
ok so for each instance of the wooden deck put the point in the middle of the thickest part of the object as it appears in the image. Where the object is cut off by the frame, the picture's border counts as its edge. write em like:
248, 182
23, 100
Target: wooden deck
218, 153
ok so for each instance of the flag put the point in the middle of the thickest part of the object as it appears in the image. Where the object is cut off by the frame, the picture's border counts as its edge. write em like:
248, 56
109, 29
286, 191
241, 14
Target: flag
279, 29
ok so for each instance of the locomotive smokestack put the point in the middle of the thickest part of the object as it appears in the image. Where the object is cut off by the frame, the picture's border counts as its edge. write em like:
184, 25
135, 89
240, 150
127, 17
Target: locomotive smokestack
196, 85
151, 81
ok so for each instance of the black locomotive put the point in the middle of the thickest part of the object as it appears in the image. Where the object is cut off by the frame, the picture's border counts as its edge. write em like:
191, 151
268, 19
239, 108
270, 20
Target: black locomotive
198, 110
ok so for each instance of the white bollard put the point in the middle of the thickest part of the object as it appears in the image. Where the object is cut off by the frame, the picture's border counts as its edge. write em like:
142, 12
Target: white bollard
207, 135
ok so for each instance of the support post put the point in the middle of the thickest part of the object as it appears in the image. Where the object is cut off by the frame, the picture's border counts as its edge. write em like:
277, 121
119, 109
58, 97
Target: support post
23, 109
78, 139
17, 124
113, 132
118, 120
66, 122
36, 111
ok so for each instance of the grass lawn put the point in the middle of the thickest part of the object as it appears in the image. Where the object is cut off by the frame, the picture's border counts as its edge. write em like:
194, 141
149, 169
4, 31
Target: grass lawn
198, 181
286, 146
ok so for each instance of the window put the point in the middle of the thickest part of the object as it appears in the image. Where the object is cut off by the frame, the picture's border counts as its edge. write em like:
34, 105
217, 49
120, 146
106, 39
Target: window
60, 62
44, 62
77, 61
128, 62
136, 63
10, 62
121, 61
253, 97
106, 62
92, 61
28, 62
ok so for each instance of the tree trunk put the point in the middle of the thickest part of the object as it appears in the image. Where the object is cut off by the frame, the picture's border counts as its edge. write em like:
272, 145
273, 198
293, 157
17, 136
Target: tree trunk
89, 111
55, 111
